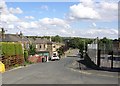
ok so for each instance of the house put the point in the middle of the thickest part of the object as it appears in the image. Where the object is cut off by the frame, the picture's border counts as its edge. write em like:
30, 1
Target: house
56, 46
45, 47
16, 38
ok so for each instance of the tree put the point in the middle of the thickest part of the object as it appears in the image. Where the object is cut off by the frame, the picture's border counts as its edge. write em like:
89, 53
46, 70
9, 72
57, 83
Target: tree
105, 43
32, 49
60, 51
57, 38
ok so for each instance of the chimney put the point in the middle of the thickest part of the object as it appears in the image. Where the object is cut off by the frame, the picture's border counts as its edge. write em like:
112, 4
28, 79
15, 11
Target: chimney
21, 34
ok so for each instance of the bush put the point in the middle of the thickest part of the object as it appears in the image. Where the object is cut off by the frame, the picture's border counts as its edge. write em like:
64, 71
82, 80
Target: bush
32, 50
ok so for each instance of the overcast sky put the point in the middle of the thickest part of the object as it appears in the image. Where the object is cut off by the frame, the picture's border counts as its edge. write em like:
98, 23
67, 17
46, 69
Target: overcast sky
87, 18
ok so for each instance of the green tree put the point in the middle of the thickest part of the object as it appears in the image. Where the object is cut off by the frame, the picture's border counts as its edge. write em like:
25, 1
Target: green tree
60, 51
32, 49
105, 43
57, 38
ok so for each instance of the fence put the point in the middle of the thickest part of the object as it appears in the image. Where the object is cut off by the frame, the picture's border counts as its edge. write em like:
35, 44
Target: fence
105, 54
11, 61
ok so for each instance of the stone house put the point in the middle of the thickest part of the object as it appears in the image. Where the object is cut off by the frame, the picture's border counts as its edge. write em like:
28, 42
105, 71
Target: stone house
16, 38
45, 47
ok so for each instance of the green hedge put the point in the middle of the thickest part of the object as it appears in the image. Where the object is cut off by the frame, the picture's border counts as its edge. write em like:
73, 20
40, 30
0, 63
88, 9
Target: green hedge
9, 49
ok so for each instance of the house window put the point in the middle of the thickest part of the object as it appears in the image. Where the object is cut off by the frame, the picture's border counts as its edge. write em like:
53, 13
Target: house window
44, 46
40, 46
36, 46
53, 46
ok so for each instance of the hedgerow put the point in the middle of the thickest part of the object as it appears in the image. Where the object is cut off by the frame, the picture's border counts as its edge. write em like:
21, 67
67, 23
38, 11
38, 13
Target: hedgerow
10, 49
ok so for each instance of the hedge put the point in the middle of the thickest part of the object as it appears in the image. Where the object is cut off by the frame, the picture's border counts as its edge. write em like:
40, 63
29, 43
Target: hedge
9, 49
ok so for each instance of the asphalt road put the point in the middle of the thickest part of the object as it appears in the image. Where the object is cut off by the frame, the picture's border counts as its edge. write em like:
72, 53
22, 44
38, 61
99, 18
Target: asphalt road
55, 72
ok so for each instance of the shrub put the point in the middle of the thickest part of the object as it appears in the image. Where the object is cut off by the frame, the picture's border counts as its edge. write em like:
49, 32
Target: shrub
32, 50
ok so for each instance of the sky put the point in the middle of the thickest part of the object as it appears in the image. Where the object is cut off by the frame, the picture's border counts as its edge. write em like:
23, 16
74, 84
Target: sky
85, 18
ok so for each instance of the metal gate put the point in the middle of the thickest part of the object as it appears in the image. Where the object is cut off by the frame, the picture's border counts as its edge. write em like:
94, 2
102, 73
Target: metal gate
105, 54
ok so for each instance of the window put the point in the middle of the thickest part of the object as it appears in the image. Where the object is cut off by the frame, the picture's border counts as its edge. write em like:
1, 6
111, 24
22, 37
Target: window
40, 46
54, 54
44, 46
53, 46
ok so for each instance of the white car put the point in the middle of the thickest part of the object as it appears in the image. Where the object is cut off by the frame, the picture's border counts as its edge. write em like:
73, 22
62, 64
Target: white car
55, 57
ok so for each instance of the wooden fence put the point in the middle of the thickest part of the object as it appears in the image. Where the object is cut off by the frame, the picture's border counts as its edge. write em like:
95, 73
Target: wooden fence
12, 61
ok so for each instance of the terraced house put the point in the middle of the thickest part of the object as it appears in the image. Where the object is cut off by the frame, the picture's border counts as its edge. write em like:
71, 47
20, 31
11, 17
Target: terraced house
16, 38
46, 47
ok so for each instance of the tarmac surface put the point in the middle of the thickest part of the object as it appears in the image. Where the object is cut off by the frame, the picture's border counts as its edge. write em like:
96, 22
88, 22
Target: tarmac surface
64, 71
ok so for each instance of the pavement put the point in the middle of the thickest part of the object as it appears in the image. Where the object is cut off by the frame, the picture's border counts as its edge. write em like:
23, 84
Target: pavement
88, 71
71, 52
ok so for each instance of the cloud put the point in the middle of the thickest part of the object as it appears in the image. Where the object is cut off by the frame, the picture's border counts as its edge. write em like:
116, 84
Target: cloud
90, 10
108, 11
6, 16
87, 3
109, 6
9, 18
29, 25
3, 7
44, 7
54, 22
45, 26
83, 12
94, 24
93, 33
57, 26
15, 10
29, 17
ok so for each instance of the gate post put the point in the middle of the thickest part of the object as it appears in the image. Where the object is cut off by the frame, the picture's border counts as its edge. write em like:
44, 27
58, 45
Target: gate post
112, 60
98, 58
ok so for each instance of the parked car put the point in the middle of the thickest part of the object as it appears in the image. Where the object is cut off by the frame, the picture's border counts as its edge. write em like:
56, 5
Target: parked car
55, 57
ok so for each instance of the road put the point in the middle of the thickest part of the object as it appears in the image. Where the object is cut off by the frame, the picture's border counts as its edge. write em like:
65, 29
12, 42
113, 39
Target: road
55, 72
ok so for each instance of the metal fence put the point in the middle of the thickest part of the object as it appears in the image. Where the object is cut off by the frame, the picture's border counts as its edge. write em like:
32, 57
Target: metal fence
108, 54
